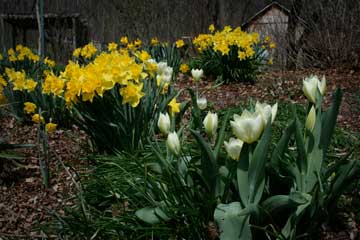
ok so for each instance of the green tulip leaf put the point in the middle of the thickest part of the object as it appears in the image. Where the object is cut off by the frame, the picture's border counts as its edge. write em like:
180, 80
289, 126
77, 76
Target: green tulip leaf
329, 120
220, 139
232, 224
151, 215
282, 145
257, 167
242, 174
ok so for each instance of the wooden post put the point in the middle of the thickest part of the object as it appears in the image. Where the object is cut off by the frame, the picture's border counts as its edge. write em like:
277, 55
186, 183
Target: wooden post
74, 30
40, 19
2, 30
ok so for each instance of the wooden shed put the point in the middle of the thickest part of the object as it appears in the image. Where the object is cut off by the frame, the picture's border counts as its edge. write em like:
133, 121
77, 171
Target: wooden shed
271, 21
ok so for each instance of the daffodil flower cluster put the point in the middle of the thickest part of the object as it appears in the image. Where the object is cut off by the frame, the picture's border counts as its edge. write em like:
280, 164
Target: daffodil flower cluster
3, 84
22, 53
107, 70
222, 41
19, 80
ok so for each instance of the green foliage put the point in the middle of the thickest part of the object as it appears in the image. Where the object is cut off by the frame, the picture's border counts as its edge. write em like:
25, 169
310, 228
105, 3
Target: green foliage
278, 189
169, 53
114, 126
53, 107
229, 68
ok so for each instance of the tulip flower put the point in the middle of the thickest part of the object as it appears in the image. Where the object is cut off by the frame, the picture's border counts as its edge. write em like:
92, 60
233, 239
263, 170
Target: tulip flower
233, 148
247, 127
322, 85
201, 103
266, 111
310, 86
197, 74
311, 119
173, 143
161, 66
164, 123
210, 123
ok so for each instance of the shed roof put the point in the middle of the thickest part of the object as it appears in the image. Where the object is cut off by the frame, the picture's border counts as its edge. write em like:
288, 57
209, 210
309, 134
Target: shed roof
263, 11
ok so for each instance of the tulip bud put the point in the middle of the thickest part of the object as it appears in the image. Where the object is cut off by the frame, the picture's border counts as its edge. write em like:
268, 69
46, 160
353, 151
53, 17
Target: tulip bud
322, 85
247, 127
311, 119
197, 74
265, 110
210, 123
173, 143
161, 66
164, 123
310, 86
166, 78
233, 148
201, 103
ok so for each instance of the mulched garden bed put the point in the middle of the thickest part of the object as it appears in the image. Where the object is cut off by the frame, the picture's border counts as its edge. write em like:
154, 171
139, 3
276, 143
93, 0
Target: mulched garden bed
24, 202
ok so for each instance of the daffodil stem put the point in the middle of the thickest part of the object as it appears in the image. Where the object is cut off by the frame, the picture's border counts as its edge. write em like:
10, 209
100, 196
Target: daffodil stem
197, 89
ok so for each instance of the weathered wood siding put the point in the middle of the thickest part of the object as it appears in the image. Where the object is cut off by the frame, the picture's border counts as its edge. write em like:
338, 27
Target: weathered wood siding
273, 23
107, 20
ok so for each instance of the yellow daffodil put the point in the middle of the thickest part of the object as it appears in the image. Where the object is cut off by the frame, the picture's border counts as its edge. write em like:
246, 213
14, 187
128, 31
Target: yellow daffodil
49, 62
184, 68
180, 43
112, 46
36, 118
154, 41
211, 28
174, 107
30, 85
29, 107
132, 94
137, 43
3, 82
50, 127
76, 52
124, 40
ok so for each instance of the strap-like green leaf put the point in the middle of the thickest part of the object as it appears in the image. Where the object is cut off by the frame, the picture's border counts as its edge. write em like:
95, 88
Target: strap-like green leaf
329, 120
282, 145
231, 224
257, 166
220, 139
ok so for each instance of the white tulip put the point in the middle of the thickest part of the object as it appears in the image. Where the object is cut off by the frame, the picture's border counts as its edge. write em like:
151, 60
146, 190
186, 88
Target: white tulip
310, 86
173, 143
165, 78
210, 123
161, 66
233, 148
152, 61
197, 74
322, 85
311, 119
164, 123
168, 71
201, 103
266, 111
247, 127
